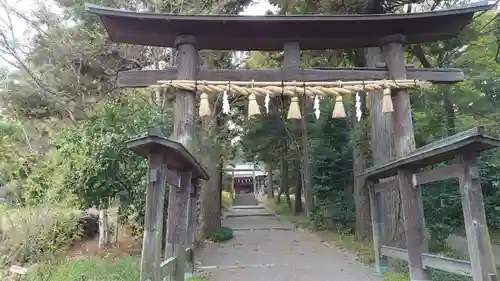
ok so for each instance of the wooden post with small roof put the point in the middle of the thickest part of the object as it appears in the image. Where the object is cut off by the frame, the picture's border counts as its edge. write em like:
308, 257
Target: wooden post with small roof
165, 158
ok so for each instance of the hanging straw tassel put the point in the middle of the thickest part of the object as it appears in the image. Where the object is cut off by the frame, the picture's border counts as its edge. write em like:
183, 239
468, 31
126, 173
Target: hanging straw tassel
204, 109
316, 106
387, 101
338, 109
294, 110
253, 106
266, 102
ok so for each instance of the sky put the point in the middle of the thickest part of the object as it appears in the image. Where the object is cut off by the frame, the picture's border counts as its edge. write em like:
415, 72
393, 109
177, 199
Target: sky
258, 8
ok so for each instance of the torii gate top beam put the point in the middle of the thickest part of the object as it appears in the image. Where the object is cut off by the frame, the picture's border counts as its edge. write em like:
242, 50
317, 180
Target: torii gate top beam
269, 33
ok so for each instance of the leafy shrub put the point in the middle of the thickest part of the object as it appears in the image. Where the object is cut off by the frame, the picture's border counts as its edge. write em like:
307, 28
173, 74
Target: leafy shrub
222, 235
32, 234
101, 167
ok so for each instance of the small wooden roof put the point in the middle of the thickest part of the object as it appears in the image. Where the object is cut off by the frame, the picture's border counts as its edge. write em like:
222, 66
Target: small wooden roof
313, 32
178, 157
473, 140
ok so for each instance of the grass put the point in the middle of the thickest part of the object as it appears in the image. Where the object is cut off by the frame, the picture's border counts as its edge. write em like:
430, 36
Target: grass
282, 209
90, 269
494, 236
363, 249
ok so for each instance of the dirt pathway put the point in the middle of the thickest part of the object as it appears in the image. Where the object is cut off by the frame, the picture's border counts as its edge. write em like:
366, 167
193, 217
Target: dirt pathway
267, 249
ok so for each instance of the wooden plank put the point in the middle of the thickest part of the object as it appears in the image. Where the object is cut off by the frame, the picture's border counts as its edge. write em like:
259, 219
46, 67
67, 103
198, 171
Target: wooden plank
269, 33
393, 252
179, 235
193, 198
167, 268
179, 156
153, 221
145, 78
472, 140
423, 177
447, 264
190, 268
476, 228
172, 178
184, 127
381, 262
433, 261
413, 223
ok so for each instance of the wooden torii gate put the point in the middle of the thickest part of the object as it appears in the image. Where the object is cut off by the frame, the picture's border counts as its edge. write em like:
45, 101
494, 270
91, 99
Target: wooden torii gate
190, 33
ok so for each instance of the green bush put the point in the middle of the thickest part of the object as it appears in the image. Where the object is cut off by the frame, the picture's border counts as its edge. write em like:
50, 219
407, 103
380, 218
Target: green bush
222, 235
32, 235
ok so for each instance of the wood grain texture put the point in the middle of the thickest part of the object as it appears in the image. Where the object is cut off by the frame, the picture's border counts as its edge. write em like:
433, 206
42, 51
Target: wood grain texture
438, 174
433, 261
180, 234
404, 144
153, 221
184, 127
146, 78
381, 261
476, 228
472, 140
414, 224
232, 32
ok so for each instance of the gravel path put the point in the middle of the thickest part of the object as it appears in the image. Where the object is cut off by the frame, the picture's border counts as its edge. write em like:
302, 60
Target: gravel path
267, 249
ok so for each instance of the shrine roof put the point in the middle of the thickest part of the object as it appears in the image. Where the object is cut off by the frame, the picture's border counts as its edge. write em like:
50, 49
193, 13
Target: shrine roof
267, 33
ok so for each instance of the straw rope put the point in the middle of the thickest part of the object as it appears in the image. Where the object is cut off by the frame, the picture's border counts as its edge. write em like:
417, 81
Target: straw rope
293, 89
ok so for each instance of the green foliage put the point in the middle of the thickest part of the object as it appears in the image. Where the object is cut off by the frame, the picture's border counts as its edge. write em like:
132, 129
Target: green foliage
392, 276
36, 234
332, 174
222, 235
100, 166
87, 269
197, 278
285, 212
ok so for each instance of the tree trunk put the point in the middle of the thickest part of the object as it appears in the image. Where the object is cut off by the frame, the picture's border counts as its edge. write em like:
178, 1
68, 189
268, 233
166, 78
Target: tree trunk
221, 179
297, 208
383, 151
270, 189
283, 173
280, 192
306, 156
210, 191
360, 194
286, 182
